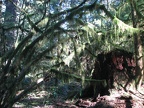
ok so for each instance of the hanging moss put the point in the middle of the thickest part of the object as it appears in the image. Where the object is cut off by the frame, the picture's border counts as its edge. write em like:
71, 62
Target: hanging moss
124, 28
66, 77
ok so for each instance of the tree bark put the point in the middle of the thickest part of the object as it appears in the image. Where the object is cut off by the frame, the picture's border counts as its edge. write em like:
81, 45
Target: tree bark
139, 60
138, 48
9, 20
1, 29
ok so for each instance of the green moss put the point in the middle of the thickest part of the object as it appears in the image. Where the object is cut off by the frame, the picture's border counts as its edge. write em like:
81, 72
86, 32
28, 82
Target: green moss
125, 28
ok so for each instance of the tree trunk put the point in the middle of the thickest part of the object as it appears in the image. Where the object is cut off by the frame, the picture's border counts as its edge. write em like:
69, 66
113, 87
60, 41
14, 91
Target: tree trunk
9, 21
139, 60
138, 48
0, 28
7, 93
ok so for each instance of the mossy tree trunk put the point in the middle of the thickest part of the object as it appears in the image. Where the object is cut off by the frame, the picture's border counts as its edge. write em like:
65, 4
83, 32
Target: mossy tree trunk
138, 47
9, 21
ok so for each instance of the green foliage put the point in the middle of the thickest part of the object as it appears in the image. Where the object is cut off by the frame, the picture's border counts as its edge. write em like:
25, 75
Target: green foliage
61, 40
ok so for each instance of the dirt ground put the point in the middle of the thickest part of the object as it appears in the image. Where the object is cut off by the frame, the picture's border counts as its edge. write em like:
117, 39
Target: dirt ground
117, 99
56, 97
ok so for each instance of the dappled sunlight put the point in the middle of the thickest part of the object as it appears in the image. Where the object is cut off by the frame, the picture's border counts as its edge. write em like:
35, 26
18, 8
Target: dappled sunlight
34, 99
71, 53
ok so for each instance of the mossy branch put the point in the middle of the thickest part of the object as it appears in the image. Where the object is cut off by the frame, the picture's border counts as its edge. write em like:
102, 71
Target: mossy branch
77, 78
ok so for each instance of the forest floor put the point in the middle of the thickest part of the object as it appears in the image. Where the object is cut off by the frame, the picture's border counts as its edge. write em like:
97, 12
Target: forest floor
51, 99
